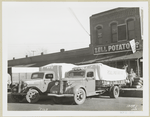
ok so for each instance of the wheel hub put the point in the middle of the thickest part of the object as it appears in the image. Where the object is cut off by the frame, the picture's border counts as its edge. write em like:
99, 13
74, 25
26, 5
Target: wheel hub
32, 95
80, 96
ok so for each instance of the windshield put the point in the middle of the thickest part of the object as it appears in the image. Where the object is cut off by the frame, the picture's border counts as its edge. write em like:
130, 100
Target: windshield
76, 74
37, 76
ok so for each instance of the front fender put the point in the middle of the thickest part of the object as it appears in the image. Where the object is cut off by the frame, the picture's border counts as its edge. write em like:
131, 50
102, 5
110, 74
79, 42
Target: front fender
74, 89
33, 88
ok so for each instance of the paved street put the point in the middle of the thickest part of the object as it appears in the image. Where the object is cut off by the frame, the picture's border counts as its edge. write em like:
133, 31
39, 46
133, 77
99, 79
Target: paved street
102, 103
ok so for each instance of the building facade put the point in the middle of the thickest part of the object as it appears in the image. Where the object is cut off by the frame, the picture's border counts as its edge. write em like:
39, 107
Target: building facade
114, 33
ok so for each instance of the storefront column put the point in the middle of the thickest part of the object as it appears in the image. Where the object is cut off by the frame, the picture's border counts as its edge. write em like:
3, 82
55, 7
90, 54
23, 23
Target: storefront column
138, 68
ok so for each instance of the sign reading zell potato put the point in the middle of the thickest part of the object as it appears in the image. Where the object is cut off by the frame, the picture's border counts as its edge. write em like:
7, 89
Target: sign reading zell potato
114, 48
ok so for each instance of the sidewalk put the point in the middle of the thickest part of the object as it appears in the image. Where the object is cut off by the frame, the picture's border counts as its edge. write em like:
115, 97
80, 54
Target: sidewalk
131, 92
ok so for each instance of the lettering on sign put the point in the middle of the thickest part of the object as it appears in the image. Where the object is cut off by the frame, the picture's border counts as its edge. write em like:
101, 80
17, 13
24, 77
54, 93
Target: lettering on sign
115, 48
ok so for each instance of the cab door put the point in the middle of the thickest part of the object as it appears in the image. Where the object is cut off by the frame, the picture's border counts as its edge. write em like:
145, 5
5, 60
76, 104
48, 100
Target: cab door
47, 79
90, 82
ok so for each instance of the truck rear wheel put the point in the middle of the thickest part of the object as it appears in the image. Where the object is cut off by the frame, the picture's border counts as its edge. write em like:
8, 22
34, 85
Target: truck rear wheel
79, 97
114, 92
32, 96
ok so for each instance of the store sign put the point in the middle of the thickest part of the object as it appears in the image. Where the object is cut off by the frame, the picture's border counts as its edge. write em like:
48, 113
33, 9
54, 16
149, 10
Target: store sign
133, 45
114, 48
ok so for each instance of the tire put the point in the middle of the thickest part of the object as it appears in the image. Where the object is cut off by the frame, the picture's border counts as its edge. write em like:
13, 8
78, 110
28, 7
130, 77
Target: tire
17, 98
114, 92
32, 96
79, 97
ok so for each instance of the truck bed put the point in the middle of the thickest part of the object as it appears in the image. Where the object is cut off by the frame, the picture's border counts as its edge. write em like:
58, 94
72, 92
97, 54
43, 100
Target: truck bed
104, 83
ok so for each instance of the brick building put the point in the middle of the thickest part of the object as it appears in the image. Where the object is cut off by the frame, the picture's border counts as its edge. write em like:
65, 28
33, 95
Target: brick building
111, 33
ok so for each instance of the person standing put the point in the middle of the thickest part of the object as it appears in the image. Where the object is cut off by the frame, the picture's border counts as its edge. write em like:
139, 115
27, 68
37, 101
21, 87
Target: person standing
8, 81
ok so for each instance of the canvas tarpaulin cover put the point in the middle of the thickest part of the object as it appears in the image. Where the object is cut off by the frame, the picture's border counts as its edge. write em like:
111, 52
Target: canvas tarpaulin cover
104, 72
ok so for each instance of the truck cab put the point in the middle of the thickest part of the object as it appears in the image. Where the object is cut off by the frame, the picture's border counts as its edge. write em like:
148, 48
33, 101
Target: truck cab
87, 76
32, 88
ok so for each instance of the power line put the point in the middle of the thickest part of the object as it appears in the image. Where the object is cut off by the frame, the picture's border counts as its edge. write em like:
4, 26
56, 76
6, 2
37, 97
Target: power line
78, 20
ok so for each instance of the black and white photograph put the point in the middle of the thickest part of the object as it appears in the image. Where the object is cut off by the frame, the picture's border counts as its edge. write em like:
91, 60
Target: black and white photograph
75, 58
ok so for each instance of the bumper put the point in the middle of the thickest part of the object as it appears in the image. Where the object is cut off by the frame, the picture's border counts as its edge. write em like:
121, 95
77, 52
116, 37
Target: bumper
60, 95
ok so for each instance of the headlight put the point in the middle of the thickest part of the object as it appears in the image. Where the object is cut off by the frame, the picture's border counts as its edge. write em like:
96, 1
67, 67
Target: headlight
14, 89
25, 84
16, 84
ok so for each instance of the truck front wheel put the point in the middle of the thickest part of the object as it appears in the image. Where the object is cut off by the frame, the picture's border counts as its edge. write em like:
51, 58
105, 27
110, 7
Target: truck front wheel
32, 96
114, 92
79, 97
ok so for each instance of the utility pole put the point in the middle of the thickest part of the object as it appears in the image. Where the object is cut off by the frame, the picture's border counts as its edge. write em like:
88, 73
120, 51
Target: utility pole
33, 52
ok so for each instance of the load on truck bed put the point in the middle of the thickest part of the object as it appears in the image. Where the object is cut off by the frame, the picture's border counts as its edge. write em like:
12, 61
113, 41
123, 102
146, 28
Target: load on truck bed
104, 72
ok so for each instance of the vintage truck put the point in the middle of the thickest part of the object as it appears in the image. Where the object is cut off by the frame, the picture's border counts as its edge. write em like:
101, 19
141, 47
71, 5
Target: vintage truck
31, 89
88, 80
79, 82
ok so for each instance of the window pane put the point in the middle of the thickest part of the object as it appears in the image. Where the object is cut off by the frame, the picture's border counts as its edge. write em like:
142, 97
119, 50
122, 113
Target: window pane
99, 35
130, 25
122, 32
114, 28
131, 35
114, 37
99, 40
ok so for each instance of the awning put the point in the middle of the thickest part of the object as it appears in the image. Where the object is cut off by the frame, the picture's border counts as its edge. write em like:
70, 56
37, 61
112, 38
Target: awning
94, 59
26, 65
112, 57
136, 55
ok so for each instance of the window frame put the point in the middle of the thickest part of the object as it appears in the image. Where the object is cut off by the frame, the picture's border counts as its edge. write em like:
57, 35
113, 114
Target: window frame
125, 30
111, 30
99, 40
128, 20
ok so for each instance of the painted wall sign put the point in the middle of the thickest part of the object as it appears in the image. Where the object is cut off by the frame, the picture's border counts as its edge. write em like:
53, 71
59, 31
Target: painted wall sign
114, 48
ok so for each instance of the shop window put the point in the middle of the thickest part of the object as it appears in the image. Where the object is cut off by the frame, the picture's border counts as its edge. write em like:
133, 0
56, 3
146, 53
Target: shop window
114, 32
131, 29
99, 34
122, 32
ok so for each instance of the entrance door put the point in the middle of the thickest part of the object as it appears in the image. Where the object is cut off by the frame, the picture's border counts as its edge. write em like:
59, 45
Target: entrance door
90, 82
48, 78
